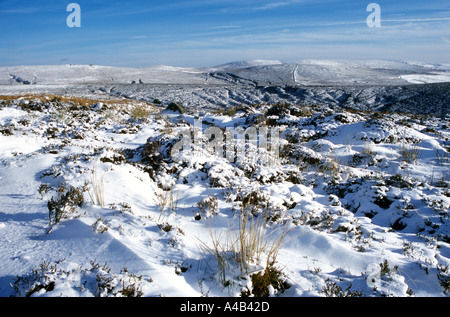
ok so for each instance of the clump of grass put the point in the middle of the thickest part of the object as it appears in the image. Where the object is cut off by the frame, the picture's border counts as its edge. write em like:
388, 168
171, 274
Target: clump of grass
329, 168
409, 154
218, 248
97, 193
250, 239
246, 244
165, 226
167, 200
139, 113
230, 111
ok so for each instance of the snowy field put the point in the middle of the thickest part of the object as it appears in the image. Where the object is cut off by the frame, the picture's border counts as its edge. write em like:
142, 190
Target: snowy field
102, 195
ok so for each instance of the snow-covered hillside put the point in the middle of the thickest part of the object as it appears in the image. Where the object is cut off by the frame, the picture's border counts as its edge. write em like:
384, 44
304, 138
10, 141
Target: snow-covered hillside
97, 199
371, 85
259, 72
88, 74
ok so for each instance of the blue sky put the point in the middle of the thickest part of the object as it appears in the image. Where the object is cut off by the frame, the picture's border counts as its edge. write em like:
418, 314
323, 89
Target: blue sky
208, 33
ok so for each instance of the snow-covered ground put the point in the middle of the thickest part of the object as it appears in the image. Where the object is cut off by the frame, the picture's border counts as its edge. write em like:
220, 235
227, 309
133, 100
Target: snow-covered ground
427, 78
97, 199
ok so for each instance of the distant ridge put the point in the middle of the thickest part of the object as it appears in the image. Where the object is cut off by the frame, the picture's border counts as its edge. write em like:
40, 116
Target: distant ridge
257, 72
247, 64
252, 72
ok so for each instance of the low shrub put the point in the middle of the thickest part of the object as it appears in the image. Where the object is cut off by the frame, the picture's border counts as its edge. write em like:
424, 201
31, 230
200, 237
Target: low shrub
266, 283
96, 281
65, 203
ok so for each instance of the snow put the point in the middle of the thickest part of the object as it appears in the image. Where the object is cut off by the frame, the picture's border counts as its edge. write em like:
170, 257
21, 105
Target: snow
364, 198
435, 77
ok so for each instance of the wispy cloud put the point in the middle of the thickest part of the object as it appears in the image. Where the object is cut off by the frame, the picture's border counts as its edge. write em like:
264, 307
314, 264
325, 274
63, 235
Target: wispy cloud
20, 11
139, 37
274, 5
223, 27
418, 20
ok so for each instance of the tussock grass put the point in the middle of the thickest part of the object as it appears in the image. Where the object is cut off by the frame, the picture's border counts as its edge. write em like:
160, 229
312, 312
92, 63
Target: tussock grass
247, 244
253, 240
409, 153
97, 192
167, 201
139, 112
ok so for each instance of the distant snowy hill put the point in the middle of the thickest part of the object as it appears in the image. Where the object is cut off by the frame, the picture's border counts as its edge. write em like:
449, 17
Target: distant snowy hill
88, 74
247, 64
258, 72
335, 73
